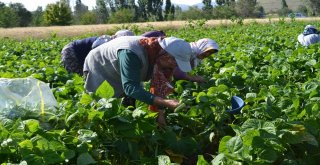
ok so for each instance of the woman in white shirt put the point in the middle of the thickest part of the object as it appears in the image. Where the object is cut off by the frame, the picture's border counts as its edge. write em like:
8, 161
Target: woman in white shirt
309, 36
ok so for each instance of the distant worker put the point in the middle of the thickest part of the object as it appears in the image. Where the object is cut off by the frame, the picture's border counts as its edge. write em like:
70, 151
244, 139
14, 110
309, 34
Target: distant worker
74, 53
309, 36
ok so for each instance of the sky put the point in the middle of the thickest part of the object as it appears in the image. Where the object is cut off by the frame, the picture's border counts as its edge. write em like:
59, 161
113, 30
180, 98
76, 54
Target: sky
32, 5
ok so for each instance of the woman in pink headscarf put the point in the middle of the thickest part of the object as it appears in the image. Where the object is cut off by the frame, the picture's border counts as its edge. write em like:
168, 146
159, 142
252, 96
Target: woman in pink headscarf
201, 49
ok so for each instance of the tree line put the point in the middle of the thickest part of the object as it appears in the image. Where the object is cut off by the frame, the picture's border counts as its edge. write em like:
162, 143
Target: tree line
128, 11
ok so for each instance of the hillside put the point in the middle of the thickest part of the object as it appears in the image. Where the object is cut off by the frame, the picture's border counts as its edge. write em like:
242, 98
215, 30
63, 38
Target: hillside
274, 5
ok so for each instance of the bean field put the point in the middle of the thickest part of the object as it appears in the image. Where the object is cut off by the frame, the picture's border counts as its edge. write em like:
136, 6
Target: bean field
278, 79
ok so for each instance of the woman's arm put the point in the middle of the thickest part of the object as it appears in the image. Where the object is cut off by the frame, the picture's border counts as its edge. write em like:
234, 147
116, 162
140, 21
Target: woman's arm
130, 67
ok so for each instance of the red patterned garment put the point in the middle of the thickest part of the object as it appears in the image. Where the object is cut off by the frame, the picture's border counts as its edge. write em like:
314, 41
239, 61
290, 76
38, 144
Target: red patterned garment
162, 78
164, 64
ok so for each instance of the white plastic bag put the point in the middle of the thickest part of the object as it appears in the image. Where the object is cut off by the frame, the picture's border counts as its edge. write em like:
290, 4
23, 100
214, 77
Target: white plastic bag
22, 97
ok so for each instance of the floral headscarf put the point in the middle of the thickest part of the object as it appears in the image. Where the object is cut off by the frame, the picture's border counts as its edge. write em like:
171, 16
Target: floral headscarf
160, 80
200, 47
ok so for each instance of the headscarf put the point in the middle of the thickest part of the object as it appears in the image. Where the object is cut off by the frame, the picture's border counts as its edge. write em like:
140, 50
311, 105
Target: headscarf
154, 33
309, 29
123, 32
200, 47
160, 81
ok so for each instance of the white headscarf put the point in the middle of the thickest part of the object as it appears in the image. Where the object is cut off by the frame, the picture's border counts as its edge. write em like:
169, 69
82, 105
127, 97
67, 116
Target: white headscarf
200, 47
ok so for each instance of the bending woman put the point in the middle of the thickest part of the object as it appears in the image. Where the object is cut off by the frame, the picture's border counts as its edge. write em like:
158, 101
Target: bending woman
127, 61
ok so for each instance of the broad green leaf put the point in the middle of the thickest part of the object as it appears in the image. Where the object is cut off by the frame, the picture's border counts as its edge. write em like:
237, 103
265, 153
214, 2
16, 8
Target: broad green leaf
259, 124
223, 144
86, 99
250, 97
311, 62
268, 154
52, 157
86, 135
33, 159
26, 144
68, 154
201, 97
43, 144
105, 90
57, 146
71, 117
202, 161
309, 138
85, 159
218, 159
235, 145
32, 125
248, 136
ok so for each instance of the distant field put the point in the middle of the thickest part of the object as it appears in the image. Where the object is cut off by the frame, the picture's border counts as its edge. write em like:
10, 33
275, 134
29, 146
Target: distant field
274, 5
72, 31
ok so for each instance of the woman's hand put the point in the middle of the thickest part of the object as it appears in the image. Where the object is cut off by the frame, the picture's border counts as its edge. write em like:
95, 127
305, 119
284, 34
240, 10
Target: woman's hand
171, 104
199, 79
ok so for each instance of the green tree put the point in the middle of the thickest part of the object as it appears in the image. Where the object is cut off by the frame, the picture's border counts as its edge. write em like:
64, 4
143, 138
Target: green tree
2, 5
37, 17
167, 9
193, 13
284, 9
8, 17
172, 13
284, 4
79, 10
142, 9
302, 9
89, 17
225, 2
24, 15
122, 16
57, 14
150, 10
207, 5
157, 8
314, 7
246, 8
112, 5
207, 9
224, 12
101, 11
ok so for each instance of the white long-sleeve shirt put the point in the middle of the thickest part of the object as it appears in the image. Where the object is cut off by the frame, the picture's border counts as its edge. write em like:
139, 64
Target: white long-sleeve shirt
308, 39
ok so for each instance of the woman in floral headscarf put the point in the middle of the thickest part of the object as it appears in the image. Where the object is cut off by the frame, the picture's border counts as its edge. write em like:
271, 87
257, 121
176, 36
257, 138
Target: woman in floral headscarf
201, 49
161, 83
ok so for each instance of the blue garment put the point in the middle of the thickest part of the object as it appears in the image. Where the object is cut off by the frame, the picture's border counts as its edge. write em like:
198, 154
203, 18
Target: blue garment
101, 40
82, 48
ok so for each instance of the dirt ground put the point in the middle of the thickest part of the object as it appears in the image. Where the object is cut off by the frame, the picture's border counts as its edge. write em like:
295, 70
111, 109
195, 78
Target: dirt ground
71, 31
